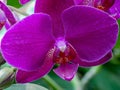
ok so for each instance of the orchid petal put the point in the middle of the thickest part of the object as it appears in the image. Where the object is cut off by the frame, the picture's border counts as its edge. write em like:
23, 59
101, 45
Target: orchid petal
8, 13
84, 63
23, 1
66, 71
115, 9
78, 1
92, 32
26, 43
84, 2
24, 77
54, 8
7, 25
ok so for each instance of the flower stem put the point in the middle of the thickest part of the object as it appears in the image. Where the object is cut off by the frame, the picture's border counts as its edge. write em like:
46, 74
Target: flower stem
52, 83
76, 82
88, 76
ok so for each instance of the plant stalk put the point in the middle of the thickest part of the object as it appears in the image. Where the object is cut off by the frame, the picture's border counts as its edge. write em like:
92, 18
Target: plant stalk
52, 83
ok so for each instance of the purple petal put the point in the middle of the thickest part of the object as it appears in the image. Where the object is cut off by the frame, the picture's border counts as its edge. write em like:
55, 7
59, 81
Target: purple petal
7, 25
54, 8
26, 43
84, 63
84, 2
78, 1
115, 9
8, 13
23, 1
2, 19
66, 71
24, 77
92, 32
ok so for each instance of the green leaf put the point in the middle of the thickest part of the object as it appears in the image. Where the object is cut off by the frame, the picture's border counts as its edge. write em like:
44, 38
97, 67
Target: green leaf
118, 41
107, 79
27, 86
14, 3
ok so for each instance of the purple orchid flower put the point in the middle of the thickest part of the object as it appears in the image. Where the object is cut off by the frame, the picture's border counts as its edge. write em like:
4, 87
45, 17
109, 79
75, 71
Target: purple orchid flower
6, 16
70, 36
24, 1
115, 9
110, 6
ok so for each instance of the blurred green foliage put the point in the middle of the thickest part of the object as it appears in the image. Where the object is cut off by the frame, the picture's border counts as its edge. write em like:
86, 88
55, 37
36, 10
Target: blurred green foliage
118, 41
14, 3
64, 84
107, 79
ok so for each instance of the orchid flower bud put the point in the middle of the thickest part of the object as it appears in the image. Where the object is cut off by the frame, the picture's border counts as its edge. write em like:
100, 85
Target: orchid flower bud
7, 75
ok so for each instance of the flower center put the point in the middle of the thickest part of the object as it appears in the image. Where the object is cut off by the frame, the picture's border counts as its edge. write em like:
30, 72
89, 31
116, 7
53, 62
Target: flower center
2, 23
64, 52
104, 4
